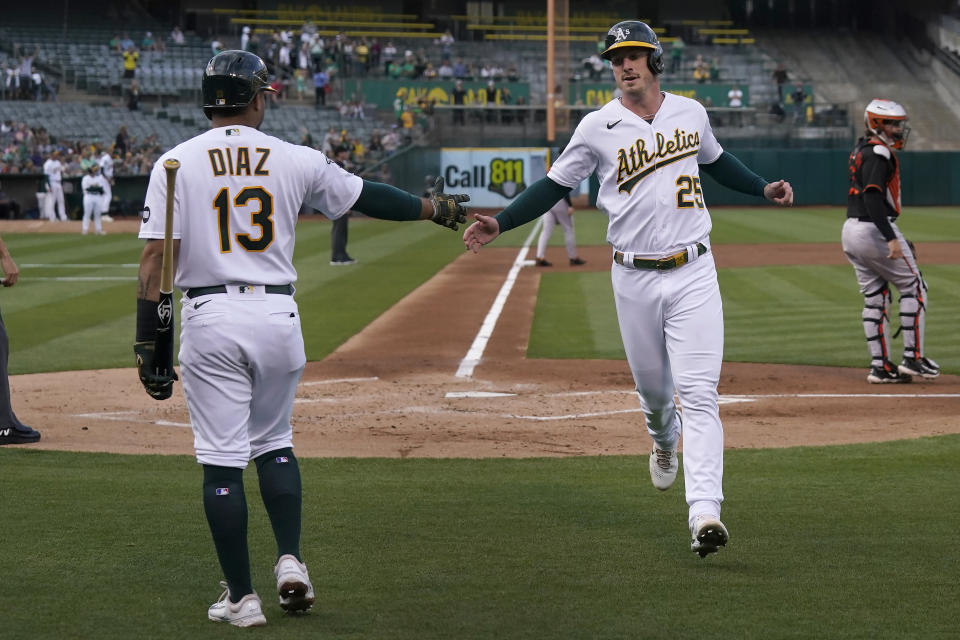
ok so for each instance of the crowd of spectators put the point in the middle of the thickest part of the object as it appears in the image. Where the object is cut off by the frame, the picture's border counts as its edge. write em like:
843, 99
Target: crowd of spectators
20, 79
24, 149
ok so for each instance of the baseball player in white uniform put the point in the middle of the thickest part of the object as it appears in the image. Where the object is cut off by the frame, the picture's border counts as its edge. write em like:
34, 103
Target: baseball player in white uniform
647, 148
106, 170
559, 214
93, 185
237, 196
53, 169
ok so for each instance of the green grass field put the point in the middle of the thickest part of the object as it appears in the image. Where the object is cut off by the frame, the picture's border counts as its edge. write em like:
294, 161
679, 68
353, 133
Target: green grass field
834, 542
840, 542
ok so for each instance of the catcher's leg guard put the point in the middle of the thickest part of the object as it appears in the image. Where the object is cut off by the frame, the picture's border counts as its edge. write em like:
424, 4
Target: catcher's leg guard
913, 314
876, 324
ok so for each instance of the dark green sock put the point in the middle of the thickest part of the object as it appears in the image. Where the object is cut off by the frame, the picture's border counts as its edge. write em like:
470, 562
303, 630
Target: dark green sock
282, 496
226, 509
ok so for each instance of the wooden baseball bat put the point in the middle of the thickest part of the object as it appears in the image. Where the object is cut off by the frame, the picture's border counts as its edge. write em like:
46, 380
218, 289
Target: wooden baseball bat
163, 349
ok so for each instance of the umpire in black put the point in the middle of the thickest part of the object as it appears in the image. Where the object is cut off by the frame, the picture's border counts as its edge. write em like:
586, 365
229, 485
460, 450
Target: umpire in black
12, 431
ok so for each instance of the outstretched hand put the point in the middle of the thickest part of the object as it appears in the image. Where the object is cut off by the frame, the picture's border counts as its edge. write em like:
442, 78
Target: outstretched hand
481, 232
779, 192
447, 210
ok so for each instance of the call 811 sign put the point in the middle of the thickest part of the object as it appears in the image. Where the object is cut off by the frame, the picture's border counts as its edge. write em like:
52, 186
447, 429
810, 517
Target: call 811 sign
492, 177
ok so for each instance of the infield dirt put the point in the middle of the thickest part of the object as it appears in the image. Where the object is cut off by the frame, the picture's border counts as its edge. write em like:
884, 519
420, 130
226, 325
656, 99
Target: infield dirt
384, 392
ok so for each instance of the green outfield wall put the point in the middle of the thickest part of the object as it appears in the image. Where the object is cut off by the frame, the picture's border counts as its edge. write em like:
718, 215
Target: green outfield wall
819, 177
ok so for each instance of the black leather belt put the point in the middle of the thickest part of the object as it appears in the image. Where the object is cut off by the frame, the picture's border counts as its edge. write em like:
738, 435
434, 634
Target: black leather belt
869, 219
282, 289
663, 264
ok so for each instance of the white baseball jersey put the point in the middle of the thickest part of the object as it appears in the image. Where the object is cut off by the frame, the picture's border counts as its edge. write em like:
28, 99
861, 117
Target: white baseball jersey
237, 197
106, 166
649, 178
54, 171
94, 182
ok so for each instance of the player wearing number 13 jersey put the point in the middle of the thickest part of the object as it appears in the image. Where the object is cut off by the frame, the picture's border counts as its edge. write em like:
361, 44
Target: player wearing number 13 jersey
647, 149
235, 205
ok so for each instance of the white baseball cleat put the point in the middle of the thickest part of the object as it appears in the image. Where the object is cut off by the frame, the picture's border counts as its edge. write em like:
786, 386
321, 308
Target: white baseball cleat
246, 613
663, 467
709, 535
293, 584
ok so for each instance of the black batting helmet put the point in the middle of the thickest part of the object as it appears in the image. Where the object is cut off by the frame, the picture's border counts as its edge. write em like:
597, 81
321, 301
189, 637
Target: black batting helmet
232, 79
633, 33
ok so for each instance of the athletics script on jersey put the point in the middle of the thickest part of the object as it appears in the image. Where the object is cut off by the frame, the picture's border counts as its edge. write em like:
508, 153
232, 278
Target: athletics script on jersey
635, 163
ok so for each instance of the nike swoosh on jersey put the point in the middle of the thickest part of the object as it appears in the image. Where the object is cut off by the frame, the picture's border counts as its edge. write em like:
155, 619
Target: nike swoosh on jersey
611, 125
197, 305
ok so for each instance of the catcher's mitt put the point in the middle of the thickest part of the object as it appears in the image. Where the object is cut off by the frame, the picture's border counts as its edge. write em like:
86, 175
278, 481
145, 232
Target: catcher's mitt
447, 210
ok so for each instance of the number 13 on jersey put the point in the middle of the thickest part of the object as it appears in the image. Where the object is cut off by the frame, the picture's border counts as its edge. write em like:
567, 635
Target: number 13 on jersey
260, 218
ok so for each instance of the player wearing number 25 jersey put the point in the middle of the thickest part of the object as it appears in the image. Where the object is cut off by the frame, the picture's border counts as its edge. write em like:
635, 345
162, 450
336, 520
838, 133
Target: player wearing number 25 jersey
235, 205
647, 149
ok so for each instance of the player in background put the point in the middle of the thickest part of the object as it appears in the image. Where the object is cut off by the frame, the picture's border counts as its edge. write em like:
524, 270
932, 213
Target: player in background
879, 252
93, 185
648, 148
53, 170
559, 214
237, 197
106, 170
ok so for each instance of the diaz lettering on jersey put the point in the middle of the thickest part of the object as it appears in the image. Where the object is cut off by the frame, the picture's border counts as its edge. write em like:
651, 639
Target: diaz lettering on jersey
636, 163
223, 161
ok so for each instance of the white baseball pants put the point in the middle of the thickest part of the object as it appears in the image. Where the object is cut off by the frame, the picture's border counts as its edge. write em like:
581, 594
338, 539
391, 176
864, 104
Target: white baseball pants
671, 323
241, 356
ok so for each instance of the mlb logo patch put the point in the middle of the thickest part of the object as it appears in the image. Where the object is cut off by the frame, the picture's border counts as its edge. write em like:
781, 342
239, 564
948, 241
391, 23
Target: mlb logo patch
223, 491
233, 132
282, 459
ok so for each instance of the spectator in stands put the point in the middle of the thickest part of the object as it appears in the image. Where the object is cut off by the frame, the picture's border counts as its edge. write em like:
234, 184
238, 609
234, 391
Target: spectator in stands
133, 95
429, 72
130, 59
735, 101
330, 141
390, 141
114, 43
458, 96
799, 98
676, 55
361, 57
389, 56
283, 57
9, 208
176, 36
320, 83
777, 111
148, 43
459, 69
245, 39
304, 57
26, 75
406, 120
398, 101
126, 42
512, 74
780, 78
122, 142
715, 69
445, 72
701, 70
375, 51
215, 45
279, 91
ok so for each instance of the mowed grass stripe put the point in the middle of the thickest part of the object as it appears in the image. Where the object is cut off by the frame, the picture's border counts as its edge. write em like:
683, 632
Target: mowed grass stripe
764, 225
792, 315
535, 548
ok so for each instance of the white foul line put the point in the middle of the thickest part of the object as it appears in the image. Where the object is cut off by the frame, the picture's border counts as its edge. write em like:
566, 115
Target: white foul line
337, 380
62, 265
472, 359
129, 416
